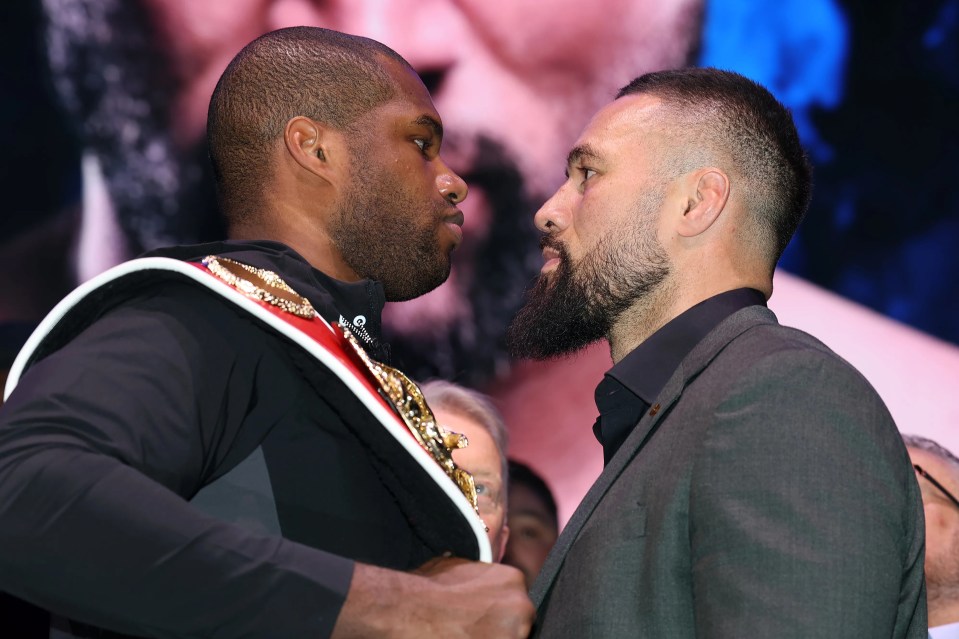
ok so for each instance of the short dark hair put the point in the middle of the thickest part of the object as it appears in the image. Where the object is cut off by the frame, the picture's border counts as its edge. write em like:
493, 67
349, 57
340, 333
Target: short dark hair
522, 475
331, 77
741, 121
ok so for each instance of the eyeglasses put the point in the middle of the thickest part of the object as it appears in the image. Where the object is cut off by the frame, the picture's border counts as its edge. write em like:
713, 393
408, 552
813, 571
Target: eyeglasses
935, 483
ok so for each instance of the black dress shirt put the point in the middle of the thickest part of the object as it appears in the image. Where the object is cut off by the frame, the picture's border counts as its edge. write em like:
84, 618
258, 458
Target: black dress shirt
630, 387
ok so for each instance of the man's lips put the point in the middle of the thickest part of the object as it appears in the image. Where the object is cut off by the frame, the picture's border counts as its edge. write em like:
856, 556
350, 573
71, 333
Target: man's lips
551, 259
454, 223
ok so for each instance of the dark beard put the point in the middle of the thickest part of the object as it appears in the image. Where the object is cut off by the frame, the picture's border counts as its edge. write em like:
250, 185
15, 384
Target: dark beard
559, 316
577, 305
473, 351
161, 195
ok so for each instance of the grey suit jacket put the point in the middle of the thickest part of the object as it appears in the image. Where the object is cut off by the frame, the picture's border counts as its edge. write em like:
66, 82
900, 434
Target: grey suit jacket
765, 494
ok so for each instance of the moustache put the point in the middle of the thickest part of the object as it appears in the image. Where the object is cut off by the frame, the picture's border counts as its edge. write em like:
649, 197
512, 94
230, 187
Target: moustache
550, 242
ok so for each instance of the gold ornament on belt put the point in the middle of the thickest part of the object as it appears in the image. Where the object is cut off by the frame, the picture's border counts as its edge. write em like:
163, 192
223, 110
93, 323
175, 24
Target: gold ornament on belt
406, 397
261, 284
398, 389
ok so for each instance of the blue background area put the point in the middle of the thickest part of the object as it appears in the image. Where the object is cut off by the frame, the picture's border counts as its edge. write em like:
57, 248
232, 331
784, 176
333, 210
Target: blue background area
874, 88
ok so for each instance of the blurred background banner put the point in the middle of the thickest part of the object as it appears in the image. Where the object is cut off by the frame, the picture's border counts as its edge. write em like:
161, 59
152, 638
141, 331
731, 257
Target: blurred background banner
103, 108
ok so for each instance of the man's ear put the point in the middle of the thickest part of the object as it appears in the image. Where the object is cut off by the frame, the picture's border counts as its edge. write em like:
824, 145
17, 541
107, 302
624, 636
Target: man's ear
707, 191
309, 144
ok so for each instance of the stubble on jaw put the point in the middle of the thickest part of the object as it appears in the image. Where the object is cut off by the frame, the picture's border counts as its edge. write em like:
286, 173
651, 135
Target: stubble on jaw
384, 234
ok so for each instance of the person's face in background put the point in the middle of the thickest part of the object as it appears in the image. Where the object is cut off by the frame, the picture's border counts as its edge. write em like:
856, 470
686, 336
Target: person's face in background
484, 461
514, 82
942, 529
533, 531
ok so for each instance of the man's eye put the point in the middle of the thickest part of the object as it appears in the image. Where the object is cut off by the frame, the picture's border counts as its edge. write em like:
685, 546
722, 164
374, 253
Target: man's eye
482, 489
529, 532
587, 173
424, 144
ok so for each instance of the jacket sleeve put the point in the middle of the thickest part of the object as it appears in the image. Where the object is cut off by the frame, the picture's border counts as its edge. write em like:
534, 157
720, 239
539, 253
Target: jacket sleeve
102, 443
805, 516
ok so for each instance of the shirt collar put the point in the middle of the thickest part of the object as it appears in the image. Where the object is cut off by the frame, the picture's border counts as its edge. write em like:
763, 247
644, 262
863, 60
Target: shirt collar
647, 368
359, 304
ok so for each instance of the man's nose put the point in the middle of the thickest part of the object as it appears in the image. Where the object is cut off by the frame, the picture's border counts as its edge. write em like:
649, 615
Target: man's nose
554, 215
451, 186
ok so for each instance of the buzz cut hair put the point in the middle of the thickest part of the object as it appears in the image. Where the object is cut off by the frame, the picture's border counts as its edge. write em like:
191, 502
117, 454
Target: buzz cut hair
325, 75
720, 116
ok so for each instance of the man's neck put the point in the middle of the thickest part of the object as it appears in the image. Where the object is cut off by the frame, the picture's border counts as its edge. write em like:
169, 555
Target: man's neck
311, 243
667, 302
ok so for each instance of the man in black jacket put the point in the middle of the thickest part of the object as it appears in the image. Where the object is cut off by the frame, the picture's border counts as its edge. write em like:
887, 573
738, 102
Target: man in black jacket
153, 391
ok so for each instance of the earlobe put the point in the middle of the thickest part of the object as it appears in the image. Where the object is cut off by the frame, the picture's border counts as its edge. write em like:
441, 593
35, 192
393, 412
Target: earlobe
709, 191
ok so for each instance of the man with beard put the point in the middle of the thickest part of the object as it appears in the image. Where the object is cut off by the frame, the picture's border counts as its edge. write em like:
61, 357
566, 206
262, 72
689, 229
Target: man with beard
136, 77
754, 483
213, 378
938, 471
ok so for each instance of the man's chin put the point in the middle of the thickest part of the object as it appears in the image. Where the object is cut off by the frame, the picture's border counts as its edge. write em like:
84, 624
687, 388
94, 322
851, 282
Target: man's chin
436, 311
456, 331
552, 324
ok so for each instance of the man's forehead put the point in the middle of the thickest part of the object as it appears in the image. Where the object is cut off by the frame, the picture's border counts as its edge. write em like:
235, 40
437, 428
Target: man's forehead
634, 110
491, 474
482, 445
629, 117
407, 83
410, 94
406, 113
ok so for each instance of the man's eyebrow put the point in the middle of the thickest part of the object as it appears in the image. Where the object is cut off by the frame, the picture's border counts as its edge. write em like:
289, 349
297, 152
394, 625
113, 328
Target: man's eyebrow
579, 152
430, 123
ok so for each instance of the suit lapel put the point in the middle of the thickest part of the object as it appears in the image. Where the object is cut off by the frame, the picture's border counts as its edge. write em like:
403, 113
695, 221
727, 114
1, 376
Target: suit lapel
610, 473
696, 361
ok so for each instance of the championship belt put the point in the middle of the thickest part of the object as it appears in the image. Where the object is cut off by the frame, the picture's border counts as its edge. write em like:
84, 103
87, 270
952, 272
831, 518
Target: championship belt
392, 399
398, 391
